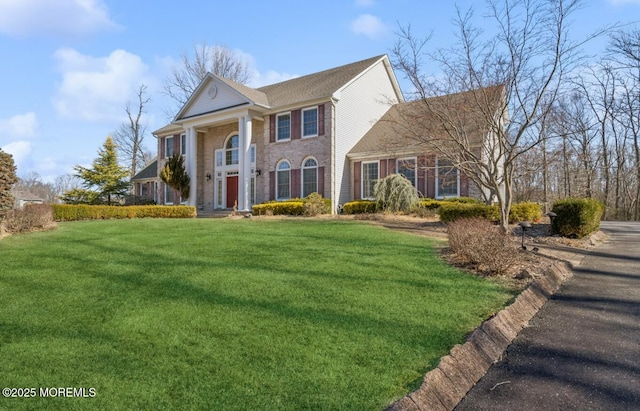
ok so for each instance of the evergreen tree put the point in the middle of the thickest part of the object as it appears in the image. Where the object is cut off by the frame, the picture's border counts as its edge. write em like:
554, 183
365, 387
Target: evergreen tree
175, 175
7, 180
105, 179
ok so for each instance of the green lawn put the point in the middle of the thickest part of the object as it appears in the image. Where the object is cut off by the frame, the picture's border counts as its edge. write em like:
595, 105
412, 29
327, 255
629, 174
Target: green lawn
225, 314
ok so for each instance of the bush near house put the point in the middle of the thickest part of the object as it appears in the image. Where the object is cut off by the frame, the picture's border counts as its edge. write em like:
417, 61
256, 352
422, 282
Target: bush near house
74, 212
360, 207
577, 217
525, 211
289, 207
395, 193
311, 205
432, 204
32, 217
450, 211
479, 243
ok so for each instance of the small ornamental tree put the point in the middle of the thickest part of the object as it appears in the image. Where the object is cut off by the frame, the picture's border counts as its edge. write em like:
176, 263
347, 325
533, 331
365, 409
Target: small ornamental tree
105, 179
7, 180
395, 193
174, 174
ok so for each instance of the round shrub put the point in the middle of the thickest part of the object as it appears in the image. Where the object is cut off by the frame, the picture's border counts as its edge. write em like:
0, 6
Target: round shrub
577, 217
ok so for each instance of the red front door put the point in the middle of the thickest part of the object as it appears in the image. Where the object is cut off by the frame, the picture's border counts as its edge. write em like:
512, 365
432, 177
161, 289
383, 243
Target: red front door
232, 191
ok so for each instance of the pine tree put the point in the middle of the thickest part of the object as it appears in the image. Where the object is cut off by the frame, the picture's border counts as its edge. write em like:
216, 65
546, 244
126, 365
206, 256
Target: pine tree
7, 180
106, 178
175, 175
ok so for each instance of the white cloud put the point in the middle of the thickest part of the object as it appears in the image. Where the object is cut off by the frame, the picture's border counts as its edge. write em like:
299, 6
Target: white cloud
59, 17
20, 151
20, 126
368, 25
97, 88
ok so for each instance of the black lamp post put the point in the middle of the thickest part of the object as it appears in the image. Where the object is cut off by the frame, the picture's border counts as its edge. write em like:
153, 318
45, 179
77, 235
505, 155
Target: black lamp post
524, 225
551, 216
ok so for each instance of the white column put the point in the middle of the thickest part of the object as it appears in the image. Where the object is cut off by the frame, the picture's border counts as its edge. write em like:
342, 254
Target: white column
247, 164
192, 164
244, 163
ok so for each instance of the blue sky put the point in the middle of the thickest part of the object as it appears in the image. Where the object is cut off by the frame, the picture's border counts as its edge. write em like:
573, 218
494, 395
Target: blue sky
69, 66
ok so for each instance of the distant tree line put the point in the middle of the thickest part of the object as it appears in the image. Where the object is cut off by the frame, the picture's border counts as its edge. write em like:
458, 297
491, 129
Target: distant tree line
590, 143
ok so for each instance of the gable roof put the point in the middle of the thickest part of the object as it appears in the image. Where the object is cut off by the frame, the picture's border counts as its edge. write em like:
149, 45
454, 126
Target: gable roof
149, 171
405, 127
25, 195
315, 86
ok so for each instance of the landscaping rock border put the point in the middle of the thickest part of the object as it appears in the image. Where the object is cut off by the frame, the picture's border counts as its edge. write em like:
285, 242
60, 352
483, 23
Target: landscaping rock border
446, 385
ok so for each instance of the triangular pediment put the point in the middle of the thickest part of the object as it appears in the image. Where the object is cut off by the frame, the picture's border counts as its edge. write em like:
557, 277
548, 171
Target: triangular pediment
212, 95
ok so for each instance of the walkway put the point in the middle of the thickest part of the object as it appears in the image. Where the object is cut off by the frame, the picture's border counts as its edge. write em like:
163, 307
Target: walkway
582, 350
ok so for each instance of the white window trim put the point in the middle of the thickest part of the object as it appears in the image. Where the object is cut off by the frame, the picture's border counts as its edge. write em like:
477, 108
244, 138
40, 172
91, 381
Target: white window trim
302, 168
415, 165
226, 170
438, 196
277, 179
302, 121
288, 113
362, 196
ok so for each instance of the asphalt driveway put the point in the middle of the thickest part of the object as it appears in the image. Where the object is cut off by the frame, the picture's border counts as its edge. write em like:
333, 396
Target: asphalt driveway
582, 350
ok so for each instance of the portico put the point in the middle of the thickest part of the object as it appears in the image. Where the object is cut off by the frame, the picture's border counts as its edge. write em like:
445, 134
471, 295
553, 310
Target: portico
220, 159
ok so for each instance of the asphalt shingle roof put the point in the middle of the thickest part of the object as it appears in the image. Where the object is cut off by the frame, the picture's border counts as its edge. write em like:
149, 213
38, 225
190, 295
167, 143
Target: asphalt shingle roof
406, 126
149, 171
314, 86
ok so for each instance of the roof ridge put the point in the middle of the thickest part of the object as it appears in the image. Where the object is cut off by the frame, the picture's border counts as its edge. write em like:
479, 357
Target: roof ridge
342, 67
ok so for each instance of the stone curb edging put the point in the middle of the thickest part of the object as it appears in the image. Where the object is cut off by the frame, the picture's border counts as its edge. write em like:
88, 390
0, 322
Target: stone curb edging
446, 385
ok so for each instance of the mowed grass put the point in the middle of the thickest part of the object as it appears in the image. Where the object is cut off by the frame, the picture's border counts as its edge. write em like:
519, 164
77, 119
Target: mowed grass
229, 314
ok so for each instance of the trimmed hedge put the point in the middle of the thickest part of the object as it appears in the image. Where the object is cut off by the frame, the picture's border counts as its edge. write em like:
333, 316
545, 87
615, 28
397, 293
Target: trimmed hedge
577, 217
360, 207
450, 211
525, 211
291, 207
311, 205
368, 206
74, 212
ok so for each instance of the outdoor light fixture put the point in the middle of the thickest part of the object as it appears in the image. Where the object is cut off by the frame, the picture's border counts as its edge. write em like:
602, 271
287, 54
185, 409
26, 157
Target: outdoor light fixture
524, 225
258, 172
551, 216
208, 176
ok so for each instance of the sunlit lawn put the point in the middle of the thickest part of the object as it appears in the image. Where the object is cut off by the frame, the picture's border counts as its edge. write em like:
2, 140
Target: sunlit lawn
229, 314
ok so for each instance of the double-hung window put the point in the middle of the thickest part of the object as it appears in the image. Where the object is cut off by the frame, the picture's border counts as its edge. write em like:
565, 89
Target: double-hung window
407, 167
183, 144
447, 179
283, 125
168, 147
310, 122
369, 177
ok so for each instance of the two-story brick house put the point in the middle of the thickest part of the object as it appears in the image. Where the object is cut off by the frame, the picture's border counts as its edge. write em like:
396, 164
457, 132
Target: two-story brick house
243, 146
333, 132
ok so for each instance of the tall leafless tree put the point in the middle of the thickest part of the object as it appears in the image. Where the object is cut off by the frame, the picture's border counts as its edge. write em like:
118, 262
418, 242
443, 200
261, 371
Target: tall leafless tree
129, 138
219, 60
529, 55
